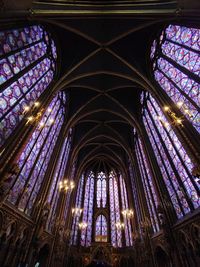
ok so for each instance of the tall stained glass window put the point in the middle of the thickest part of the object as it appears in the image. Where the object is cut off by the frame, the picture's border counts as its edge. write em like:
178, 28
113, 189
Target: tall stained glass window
77, 211
101, 229
135, 194
174, 162
35, 156
86, 234
101, 190
176, 65
148, 185
27, 66
102, 198
125, 206
116, 233
58, 176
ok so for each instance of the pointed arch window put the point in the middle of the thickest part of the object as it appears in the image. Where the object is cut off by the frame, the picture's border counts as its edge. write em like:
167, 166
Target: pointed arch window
58, 176
135, 193
125, 206
27, 66
86, 234
174, 162
102, 197
34, 159
101, 229
77, 215
175, 58
101, 190
116, 234
149, 187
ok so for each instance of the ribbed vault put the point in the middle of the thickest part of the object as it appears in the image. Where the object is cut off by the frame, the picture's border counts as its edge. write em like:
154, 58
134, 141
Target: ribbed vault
104, 73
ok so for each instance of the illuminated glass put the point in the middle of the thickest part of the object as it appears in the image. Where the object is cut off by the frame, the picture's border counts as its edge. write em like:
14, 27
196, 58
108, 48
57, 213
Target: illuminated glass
125, 206
27, 66
35, 156
148, 185
174, 162
116, 234
101, 229
58, 176
175, 58
77, 216
86, 234
101, 190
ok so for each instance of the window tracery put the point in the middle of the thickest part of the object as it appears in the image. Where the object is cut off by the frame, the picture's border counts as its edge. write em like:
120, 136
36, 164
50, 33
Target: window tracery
35, 156
27, 66
149, 187
173, 160
175, 59
101, 229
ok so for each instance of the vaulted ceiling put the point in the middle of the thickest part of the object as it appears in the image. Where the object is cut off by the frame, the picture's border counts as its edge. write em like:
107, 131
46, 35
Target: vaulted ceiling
104, 66
103, 47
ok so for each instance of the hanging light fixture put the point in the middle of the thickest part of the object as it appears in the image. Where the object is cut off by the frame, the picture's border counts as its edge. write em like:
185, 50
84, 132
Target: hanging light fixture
83, 225
77, 211
66, 185
175, 119
128, 213
120, 225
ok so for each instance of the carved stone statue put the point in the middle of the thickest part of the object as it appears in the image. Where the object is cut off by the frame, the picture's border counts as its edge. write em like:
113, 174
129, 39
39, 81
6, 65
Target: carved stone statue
43, 219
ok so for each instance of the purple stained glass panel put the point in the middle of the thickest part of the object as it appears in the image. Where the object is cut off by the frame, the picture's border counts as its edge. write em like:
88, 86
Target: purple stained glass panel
18, 49
101, 190
34, 159
116, 234
149, 189
174, 67
101, 229
58, 175
166, 145
86, 234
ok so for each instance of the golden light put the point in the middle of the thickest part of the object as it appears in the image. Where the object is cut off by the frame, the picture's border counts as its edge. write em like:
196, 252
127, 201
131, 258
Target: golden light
36, 104
119, 225
179, 104
30, 119
66, 185
127, 213
77, 211
51, 121
166, 108
42, 124
83, 225
179, 121
26, 108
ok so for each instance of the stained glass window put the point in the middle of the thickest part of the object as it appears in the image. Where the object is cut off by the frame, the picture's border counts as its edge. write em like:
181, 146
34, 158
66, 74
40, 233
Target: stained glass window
101, 199
135, 193
116, 234
174, 162
101, 229
35, 156
125, 206
148, 185
101, 190
175, 58
86, 234
77, 211
67, 199
58, 176
27, 66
